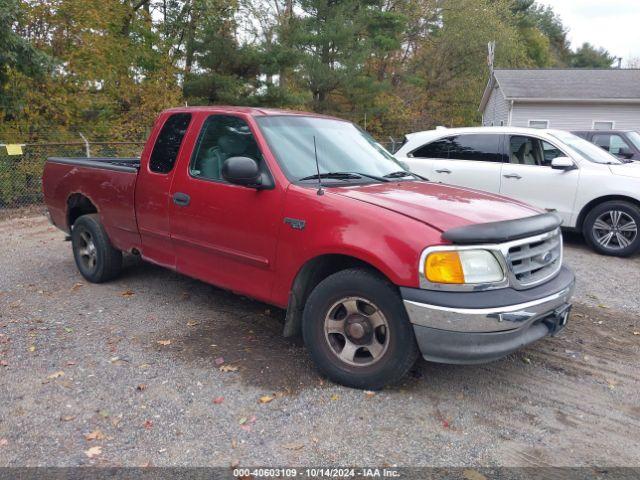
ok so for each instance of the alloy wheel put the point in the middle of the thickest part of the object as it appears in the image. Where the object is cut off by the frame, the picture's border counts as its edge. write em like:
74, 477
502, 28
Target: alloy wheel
615, 229
357, 331
87, 250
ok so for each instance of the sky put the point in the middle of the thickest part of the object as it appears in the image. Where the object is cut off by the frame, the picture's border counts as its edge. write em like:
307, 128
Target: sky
612, 24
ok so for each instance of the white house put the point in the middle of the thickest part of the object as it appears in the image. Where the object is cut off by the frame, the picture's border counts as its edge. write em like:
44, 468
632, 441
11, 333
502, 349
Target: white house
566, 99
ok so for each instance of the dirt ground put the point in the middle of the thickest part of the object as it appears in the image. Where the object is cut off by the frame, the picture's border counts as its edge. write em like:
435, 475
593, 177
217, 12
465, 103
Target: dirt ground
158, 369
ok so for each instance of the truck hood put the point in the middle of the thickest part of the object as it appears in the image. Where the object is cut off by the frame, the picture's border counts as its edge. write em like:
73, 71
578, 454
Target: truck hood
626, 169
440, 206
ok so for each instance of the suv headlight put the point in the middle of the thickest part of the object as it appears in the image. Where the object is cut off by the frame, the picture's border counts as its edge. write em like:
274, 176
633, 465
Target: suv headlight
462, 267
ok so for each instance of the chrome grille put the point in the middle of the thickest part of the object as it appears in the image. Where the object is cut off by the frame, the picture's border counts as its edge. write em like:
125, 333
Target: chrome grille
534, 260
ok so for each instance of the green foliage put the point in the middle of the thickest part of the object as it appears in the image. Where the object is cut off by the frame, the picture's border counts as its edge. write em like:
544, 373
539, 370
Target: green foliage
107, 68
588, 56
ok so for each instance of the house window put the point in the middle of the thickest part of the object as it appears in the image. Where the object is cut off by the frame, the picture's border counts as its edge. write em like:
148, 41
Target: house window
539, 123
603, 125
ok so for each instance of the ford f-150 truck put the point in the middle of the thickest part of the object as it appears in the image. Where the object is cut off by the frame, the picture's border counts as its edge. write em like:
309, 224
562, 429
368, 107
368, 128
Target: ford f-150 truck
373, 264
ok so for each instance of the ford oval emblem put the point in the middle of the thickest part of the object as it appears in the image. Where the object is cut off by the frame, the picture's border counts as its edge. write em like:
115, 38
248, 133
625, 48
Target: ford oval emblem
547, 257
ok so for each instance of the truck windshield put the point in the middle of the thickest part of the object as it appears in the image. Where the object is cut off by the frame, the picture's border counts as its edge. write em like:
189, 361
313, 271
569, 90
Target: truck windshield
345, 152
586, 149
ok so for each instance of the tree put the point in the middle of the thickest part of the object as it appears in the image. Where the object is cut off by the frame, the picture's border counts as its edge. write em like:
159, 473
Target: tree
543, 33
17, 56
588, 56
108, 67
449, 70
336, 40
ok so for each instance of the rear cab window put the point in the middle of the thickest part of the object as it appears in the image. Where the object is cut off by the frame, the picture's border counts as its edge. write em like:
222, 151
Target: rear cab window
165, 151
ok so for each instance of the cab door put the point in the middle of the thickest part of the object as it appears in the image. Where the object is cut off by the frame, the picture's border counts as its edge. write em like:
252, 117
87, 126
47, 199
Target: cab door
528, 176
153, 186
224, 234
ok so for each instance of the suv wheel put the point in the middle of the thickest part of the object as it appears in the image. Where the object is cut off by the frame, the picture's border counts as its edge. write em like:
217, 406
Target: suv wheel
97, 260
611, 228
357, 330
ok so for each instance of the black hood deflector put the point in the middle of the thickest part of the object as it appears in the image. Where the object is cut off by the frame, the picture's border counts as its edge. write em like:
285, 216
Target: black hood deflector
503, 231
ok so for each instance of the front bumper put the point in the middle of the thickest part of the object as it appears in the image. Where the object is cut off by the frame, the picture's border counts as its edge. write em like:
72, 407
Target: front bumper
477, 327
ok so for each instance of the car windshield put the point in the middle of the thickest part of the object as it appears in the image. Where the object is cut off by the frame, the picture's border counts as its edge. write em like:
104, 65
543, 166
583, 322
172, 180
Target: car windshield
635, 138
345, 152
586, 149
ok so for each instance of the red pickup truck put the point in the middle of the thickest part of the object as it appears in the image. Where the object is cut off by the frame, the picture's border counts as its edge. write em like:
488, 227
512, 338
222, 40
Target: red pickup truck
373, 264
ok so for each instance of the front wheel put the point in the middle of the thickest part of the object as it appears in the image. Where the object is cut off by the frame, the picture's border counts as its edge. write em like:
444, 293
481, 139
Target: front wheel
357, 330
611, 228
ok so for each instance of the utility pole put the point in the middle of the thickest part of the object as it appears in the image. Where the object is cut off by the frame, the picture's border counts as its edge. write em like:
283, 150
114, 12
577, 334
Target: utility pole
491, 47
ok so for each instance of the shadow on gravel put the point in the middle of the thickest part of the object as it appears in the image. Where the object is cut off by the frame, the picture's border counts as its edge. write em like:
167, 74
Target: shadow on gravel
247, 335
226, 330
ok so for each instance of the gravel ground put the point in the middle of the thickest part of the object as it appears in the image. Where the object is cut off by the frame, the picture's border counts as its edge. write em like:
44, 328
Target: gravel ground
158, 369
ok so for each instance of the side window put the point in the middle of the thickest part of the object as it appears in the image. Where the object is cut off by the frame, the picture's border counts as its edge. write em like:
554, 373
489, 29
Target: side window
222, 137
549, 152
531, 151
439, 149
481, 148
523, 150
611, 143
167, 146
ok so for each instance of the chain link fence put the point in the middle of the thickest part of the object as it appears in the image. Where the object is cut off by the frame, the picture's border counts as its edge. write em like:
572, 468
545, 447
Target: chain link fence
21, 175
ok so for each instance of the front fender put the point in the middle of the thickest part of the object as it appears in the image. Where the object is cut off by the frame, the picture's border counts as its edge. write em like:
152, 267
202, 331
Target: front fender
336, 225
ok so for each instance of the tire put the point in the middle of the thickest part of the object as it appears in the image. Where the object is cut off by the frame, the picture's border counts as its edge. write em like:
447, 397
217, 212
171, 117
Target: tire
373, 320
622, 221
97, 260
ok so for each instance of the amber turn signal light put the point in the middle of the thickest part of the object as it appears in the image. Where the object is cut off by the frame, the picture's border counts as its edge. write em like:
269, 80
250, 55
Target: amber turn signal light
444, 267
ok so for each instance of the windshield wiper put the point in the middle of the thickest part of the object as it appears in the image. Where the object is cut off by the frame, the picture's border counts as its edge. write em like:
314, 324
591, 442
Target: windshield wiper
338, 175
344, 176
404, 173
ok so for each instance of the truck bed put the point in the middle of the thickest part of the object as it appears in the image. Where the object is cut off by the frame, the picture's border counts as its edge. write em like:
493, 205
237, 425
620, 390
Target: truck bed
107, 184
108, 163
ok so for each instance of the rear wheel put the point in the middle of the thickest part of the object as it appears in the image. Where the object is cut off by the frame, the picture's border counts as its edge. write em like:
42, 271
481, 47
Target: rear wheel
357, 330
611, 228
97, 260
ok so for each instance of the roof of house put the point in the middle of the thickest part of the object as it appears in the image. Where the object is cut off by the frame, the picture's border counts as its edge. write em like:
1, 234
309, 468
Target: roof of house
568, 85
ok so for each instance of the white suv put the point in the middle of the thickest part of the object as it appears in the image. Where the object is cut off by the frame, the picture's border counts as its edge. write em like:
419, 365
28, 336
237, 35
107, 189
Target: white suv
591, 190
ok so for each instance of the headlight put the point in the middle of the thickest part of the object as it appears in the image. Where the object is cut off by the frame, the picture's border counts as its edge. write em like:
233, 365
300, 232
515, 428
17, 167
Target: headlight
462, 267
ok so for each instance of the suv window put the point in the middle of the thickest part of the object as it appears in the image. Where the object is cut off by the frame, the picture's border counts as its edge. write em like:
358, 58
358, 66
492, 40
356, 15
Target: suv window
222, 137
532, 151
439, 149
167, 146
612, 143
481, 148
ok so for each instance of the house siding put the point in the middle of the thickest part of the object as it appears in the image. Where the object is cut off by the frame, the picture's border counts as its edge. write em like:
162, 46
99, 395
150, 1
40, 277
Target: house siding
570, 116
496, 110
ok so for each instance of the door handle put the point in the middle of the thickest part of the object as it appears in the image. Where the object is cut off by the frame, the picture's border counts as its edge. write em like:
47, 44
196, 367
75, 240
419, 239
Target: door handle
512, 175
181, 199
443, 170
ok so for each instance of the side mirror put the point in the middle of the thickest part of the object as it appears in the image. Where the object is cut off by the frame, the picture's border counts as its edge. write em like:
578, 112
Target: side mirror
242, 171
562, 163
624, 152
